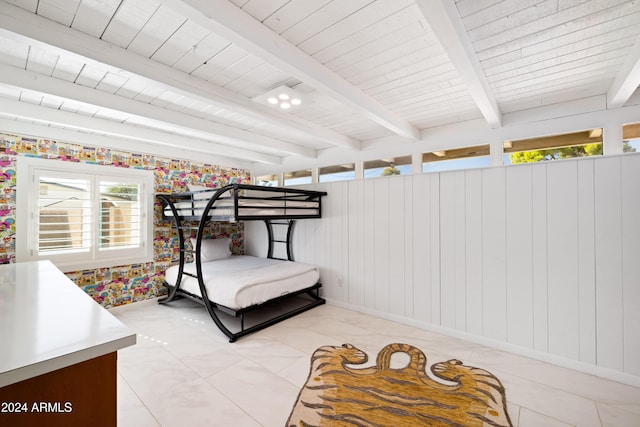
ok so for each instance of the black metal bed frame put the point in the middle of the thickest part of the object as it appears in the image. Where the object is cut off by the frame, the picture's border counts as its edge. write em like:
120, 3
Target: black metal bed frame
288, 217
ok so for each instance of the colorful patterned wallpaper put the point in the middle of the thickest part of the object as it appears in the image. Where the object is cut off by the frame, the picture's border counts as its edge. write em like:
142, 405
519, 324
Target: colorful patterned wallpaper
128, 283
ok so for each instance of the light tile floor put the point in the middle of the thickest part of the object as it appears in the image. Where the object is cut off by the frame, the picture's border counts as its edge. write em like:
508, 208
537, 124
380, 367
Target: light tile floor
183, 372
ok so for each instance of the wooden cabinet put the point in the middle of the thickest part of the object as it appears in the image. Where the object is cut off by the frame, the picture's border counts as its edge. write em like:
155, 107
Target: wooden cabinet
58, 359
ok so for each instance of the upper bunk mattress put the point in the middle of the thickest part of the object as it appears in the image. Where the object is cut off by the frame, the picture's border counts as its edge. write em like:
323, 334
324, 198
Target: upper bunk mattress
241, 281
224, 207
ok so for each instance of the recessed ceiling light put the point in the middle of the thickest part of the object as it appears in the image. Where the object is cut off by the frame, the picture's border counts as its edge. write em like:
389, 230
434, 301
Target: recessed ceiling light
281, 96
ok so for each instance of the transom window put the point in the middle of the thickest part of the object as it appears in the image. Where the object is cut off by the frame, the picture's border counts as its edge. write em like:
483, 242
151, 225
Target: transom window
298, 177
387, 167
337, 173
631, 137
578, 144
83, 216
267, 180
459, 158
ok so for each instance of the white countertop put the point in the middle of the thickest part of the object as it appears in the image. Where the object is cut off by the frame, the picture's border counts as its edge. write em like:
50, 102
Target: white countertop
47, 323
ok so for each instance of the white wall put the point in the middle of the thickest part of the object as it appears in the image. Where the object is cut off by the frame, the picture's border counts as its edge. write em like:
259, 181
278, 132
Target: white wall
542, 259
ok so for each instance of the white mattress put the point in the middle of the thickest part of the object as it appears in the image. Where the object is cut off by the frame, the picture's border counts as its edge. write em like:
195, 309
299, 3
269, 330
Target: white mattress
241, 280
258, 207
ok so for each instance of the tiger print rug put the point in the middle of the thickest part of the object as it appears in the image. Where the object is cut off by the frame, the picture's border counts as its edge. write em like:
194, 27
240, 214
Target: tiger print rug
337, 394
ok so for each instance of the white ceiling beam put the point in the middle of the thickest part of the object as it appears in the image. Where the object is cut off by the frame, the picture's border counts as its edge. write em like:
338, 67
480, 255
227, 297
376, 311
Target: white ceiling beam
177, 121
36, 130
445, 21
627, 80
232, 23
20, 24
87, 124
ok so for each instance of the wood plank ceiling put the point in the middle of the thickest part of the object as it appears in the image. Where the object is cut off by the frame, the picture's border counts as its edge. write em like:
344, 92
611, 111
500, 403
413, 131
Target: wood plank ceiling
180, 77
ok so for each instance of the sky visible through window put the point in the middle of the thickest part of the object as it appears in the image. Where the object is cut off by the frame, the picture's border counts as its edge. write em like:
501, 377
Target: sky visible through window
447, 165
298, 181
337, 176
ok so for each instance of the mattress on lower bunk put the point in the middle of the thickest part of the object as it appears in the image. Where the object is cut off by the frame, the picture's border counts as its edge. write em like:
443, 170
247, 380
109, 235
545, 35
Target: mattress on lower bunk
241, 281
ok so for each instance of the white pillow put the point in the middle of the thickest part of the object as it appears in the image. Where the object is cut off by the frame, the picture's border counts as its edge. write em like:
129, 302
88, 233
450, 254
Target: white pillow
213, 249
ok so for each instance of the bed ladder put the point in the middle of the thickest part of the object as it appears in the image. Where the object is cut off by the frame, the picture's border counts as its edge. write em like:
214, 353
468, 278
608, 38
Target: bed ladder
289, 223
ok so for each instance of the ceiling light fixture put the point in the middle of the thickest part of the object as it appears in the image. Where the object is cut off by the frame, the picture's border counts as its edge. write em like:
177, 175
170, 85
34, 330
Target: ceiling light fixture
282, 96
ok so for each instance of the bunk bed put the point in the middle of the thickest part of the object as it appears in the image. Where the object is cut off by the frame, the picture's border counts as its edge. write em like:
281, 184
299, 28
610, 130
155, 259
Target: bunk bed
239, 284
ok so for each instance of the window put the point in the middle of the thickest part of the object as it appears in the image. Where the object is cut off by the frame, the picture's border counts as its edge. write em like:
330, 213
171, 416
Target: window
631, 137
297, 177
387, 167
267, 180
337, 173
460, 158
83, 216
564, 146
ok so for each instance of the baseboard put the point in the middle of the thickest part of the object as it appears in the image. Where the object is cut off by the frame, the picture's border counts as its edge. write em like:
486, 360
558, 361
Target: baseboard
588, 368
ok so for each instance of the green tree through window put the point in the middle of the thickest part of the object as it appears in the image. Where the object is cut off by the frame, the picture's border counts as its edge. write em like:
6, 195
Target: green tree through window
391, 170
562, 153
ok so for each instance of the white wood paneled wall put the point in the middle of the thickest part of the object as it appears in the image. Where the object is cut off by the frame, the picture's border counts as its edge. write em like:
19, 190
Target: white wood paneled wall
543, 257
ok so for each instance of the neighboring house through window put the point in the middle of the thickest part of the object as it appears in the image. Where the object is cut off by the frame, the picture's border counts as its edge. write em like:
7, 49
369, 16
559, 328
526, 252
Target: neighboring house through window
83, 216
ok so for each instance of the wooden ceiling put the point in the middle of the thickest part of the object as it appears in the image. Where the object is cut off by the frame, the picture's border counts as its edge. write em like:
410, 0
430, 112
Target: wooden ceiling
181, 77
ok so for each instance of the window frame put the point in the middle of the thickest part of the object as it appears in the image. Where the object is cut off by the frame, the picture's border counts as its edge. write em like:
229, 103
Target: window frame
28, 185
